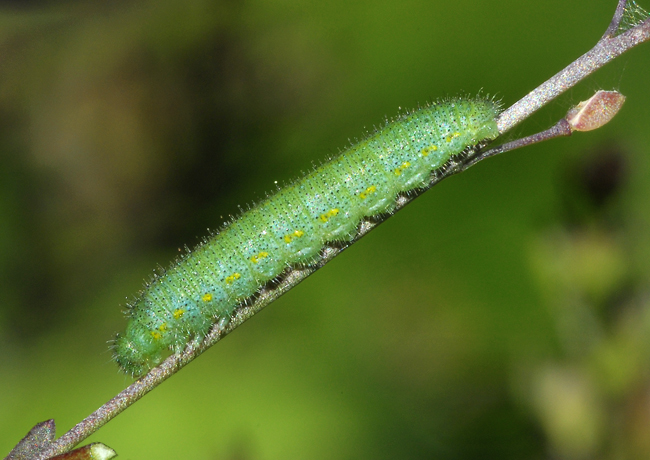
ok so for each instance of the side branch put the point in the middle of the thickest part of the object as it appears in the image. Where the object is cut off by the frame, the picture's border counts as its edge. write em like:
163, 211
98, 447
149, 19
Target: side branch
616, 20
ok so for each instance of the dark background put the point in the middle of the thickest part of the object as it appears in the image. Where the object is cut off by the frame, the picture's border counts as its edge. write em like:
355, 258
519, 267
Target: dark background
504, 314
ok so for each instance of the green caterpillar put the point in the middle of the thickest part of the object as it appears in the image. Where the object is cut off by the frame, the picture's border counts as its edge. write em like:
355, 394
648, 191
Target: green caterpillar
292, 227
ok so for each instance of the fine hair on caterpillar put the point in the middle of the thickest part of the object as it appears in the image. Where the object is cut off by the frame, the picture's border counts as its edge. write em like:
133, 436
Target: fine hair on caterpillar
293, 226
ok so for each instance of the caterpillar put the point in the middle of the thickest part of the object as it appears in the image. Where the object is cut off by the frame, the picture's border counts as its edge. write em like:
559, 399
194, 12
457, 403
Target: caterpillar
291, 228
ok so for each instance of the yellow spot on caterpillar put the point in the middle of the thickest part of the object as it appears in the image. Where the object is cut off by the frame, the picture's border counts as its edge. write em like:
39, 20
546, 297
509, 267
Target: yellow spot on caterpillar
207, 297
231, 279
178, 313
401, 168
369, 191
452, 136
262, 255
292, 236
427, 150
162, 327
328, 215
156, 335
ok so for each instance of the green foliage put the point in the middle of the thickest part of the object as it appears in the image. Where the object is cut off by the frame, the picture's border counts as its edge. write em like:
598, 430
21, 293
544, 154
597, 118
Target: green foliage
513, 324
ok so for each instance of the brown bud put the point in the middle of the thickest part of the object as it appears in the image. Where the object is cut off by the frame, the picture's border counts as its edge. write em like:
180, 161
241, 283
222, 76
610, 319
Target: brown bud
596, 111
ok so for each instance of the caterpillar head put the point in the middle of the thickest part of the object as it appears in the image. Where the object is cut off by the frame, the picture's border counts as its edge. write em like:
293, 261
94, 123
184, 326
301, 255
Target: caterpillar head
133, 359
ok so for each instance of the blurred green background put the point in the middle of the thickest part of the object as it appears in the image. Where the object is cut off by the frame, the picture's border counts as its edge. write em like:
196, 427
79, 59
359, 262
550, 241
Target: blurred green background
504, 314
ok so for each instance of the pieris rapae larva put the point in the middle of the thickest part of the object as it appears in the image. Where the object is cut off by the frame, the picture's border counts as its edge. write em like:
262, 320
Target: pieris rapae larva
292, 227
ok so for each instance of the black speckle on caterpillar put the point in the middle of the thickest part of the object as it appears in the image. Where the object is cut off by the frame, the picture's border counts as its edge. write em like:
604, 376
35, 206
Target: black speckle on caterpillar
293, 226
